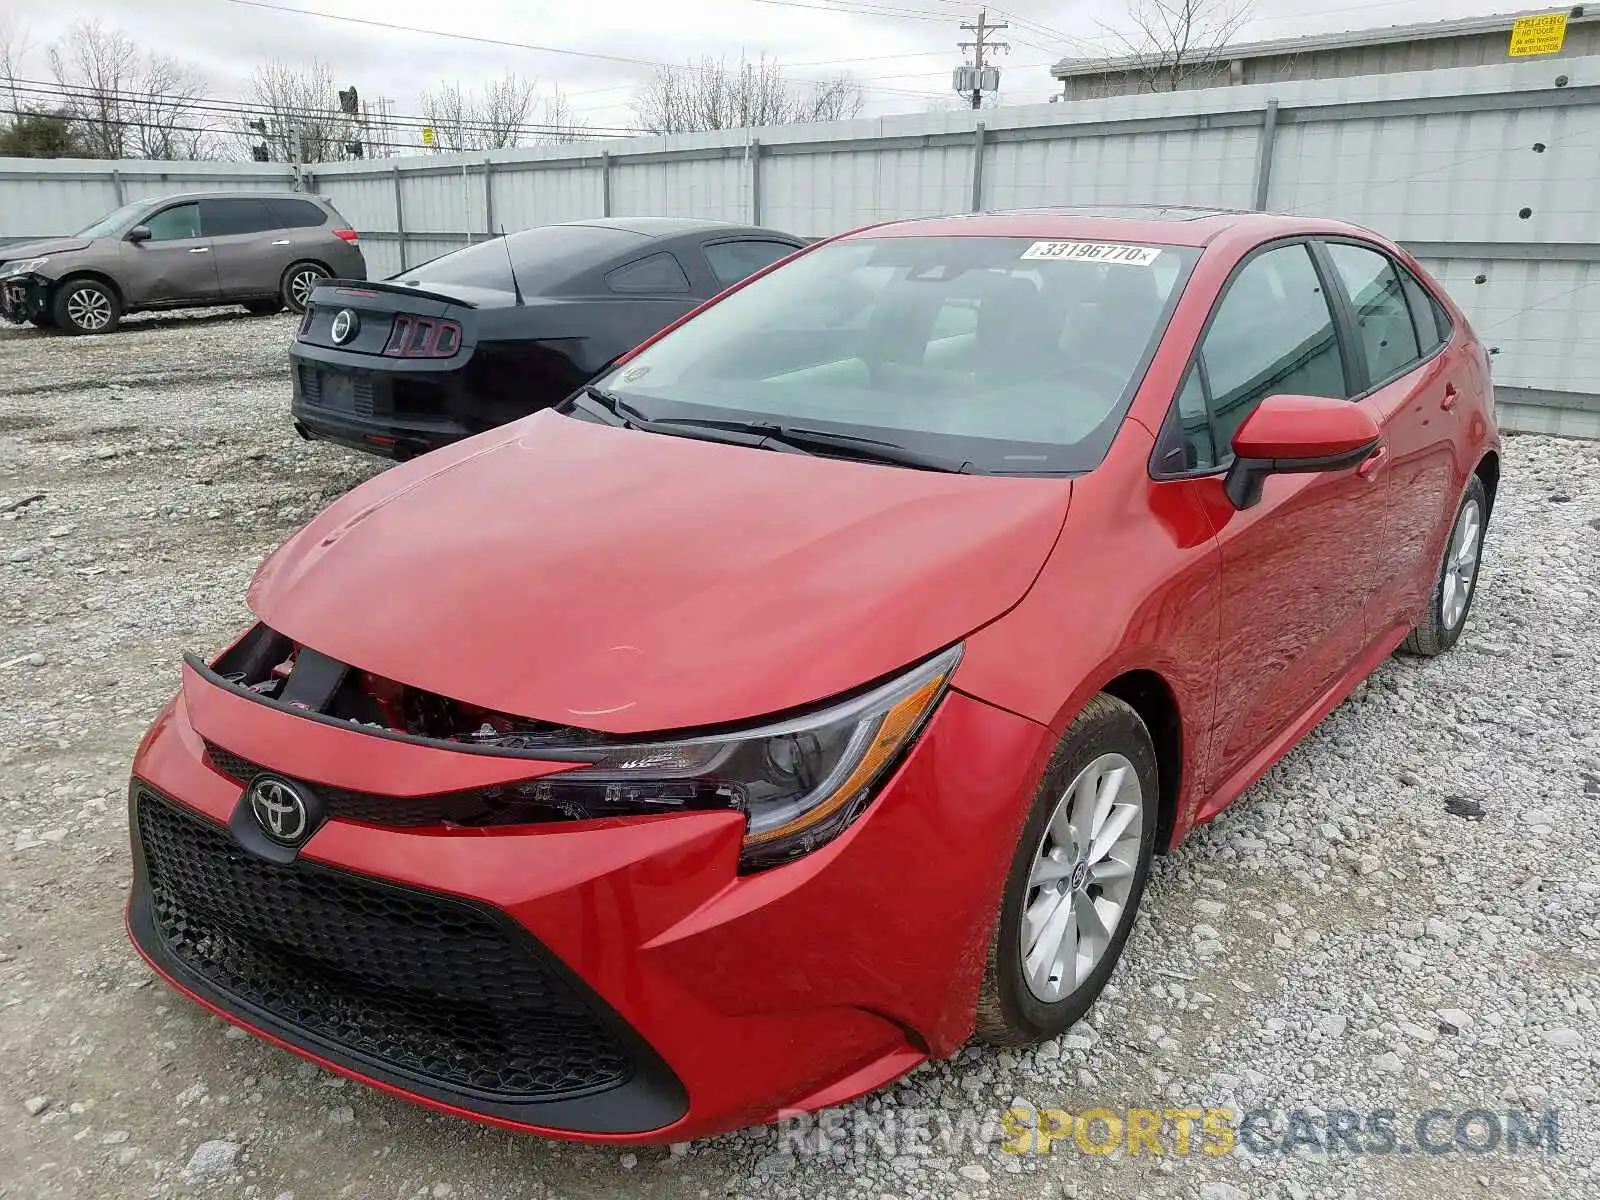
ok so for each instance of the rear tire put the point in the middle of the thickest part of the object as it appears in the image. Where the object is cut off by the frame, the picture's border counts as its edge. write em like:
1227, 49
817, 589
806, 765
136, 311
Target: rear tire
298, 282
263, 308
1456, 581
85, 306
1050, 956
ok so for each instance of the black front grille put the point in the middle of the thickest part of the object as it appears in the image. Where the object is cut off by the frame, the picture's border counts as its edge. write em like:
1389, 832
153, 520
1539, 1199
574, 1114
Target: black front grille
422, 985
477, 806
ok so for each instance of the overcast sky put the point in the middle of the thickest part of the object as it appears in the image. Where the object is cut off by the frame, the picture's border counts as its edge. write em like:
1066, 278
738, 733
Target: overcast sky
903, 61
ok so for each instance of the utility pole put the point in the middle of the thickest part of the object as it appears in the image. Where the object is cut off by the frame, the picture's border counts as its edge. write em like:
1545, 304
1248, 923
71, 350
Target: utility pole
975, 78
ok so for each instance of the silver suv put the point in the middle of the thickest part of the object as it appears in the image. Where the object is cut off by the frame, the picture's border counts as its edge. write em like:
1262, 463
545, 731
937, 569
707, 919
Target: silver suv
264, 250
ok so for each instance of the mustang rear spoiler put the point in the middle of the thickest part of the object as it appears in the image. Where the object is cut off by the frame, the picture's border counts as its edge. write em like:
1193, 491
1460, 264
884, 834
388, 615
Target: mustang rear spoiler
360, 287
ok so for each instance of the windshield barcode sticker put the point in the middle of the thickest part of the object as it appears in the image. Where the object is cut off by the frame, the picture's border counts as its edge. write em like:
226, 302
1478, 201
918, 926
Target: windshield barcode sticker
1102, 252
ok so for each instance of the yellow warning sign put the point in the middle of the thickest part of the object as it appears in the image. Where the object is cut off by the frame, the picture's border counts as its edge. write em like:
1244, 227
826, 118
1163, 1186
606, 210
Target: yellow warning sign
429, 140
1543, 34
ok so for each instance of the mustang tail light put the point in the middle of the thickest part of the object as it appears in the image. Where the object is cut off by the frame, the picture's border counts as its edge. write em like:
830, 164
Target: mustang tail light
422, 337
347, 235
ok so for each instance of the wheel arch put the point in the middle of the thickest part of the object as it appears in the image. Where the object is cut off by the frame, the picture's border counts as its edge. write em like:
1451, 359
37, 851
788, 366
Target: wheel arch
88, 273
309, 261
1150, 695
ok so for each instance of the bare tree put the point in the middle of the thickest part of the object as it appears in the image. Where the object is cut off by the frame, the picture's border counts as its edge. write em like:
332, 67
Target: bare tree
561, 124
167, 120
712, 95
129, 102
299, 113
509, 112
1172, 41
14, 47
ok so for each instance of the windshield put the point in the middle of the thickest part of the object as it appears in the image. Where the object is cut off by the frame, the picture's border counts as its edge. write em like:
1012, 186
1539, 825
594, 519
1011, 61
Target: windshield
1011, 354
113, 222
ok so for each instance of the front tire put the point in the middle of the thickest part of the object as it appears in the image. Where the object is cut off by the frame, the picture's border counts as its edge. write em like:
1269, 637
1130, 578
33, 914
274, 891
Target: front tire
1456, 582
298, 282
1076, 879
85, 306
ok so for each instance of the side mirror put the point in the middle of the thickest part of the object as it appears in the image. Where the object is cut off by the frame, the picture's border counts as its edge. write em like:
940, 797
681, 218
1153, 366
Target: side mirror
1296, 435
139, 233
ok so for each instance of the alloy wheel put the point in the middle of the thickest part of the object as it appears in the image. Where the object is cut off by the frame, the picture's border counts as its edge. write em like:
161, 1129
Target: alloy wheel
1082, 875
1461, 564
89, 309
302, 284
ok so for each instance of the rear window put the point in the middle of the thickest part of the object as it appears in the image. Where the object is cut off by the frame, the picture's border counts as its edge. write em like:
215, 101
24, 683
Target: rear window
223, 218
1015, 354
544, 257
297, 214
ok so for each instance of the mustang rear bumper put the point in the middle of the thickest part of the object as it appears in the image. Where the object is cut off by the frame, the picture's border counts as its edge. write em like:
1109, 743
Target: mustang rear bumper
606, 979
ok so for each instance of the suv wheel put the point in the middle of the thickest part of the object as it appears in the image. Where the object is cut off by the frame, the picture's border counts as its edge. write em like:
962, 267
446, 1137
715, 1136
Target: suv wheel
299, 281
86, 306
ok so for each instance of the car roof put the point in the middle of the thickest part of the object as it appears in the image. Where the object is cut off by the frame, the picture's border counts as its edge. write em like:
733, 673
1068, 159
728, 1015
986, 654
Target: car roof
238, 194
663, 227
1171, 225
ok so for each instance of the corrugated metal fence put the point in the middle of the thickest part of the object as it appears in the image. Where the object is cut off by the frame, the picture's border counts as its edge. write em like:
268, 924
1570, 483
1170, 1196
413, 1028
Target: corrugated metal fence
1491, 175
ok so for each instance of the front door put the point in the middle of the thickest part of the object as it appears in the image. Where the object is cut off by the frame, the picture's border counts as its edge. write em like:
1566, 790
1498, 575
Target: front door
1298, 567
175, 263
247, 245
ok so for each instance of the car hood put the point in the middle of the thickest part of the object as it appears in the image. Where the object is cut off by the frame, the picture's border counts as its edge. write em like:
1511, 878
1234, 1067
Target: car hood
630, 582
41, 249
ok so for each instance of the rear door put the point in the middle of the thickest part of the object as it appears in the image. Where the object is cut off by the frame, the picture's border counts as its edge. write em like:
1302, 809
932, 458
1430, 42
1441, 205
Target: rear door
248, 245
176, 263
1412, 391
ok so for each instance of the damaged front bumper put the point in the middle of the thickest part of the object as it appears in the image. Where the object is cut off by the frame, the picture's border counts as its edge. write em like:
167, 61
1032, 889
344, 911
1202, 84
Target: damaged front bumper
22, 298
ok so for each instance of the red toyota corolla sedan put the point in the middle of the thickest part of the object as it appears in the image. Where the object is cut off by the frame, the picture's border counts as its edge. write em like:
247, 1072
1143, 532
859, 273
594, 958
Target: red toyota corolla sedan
813, 690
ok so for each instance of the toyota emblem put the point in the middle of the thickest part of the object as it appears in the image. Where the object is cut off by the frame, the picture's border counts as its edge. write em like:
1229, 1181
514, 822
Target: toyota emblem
280, 809
345, 326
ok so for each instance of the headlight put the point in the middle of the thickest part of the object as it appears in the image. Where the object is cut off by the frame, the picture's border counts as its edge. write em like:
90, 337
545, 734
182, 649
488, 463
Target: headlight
22, 266
799, 782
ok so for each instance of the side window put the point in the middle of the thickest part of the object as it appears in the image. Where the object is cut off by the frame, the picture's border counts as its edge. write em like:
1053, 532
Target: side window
732, 261
1194, 419
1272, 334
221, 218
658, 273
179, 221
1383, 321
296, 214
1425, 313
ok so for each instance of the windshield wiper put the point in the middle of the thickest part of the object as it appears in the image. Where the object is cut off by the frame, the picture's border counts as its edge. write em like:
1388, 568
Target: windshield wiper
734, 433
866, 448
796, 439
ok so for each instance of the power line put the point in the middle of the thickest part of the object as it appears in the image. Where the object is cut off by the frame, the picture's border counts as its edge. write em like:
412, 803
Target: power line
57, 92
515, 45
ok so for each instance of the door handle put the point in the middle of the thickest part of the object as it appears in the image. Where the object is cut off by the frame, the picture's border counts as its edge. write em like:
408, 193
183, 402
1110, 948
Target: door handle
1369, 466
1450, 397
281, 242
199, 249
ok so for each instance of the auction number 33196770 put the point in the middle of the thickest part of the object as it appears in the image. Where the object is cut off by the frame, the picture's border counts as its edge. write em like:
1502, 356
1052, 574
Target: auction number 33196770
812, 689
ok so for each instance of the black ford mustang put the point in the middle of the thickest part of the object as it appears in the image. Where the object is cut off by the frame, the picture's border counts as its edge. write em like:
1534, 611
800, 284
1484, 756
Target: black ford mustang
494, 331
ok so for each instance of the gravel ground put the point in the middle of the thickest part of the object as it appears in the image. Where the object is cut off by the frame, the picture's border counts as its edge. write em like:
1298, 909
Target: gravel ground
1402, 916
